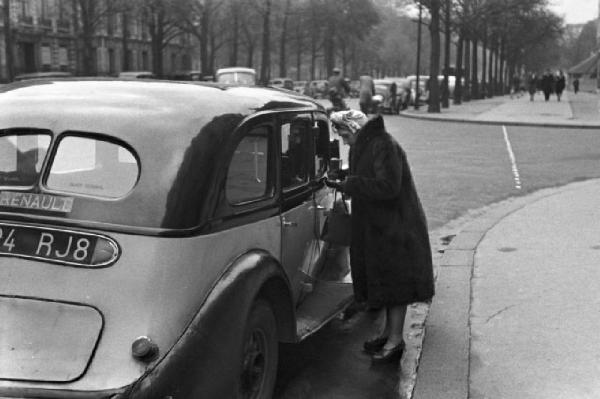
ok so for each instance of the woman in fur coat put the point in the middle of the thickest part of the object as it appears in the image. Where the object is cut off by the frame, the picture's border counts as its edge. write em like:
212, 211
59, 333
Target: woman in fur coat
390, 255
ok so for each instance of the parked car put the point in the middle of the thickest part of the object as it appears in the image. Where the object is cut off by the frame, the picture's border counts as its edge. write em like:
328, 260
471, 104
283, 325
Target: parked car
423, 89
301, 86
136, 75
188, 75
236, 76
386, 98
158, 239
319, 88
402, 92
282, 83
354, 88
43, 75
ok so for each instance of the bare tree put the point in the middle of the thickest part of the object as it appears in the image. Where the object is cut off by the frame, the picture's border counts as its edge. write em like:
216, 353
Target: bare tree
8, 42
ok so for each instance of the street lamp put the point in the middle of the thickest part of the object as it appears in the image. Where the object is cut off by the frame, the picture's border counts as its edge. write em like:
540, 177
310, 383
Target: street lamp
418, 55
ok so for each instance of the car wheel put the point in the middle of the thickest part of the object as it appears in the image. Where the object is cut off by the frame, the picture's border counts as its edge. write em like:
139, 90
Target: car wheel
260, 353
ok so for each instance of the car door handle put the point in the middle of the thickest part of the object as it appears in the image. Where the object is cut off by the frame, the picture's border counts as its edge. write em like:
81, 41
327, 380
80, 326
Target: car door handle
318, 208
289, 224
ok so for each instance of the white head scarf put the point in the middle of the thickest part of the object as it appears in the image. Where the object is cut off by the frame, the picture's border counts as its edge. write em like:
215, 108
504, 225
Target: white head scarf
352, 119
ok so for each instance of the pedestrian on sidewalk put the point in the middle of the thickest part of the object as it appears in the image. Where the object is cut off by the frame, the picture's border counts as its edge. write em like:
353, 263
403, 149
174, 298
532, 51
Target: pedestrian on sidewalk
576, 85
390, 255
532, 85
516, 82
366, 93
560, 84
547, 84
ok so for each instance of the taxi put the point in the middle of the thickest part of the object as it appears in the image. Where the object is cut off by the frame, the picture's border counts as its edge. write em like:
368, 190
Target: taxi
159, 239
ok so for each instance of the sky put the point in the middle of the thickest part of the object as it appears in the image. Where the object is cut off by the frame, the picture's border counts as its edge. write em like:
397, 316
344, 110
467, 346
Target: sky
575, 11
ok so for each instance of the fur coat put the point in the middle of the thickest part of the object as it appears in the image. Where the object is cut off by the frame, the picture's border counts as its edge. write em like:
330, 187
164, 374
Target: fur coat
390, 253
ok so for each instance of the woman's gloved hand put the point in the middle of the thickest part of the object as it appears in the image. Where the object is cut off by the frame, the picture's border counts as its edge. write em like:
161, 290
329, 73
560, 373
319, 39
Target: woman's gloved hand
337, 184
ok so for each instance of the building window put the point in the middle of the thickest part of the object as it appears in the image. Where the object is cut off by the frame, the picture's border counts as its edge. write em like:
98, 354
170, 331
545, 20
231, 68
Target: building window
63, 56
145, 60
46, 57
111, 61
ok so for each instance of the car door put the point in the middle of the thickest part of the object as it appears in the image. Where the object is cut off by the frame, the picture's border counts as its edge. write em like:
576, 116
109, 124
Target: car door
298, 244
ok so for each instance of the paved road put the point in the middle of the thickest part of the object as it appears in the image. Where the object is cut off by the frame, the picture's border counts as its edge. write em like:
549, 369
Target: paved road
457, 168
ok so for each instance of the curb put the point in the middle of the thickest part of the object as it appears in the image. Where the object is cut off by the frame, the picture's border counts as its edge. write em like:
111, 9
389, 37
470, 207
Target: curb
444, 360
497, 122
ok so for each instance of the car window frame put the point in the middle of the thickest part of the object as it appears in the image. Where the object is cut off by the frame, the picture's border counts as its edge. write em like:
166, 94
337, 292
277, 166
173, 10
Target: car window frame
55, 144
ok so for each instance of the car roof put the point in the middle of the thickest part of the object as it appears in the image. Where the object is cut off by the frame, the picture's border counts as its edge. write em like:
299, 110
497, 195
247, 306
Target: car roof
236, 69
43, 75
125, 107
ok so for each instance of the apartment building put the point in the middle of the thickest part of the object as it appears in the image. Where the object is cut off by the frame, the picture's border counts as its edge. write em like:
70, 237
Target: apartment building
45, 38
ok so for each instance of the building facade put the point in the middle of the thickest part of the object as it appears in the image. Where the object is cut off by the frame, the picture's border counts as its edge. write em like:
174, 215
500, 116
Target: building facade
44, 35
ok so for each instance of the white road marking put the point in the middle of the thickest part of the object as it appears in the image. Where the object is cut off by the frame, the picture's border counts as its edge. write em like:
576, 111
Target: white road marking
513, 161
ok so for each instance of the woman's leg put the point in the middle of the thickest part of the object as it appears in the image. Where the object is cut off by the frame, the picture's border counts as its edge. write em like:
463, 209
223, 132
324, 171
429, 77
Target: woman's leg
395, 324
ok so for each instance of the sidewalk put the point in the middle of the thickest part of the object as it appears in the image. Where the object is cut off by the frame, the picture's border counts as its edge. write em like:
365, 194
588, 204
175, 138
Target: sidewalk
574, 110
516, 312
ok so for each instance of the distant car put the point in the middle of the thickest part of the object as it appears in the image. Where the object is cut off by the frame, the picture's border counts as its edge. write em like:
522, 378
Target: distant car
282, 83
319, 88
43, 75
159, 239
236, 76
402, 92
386, 94
187, 75
300, 86
136, 75
423, 89
354, 88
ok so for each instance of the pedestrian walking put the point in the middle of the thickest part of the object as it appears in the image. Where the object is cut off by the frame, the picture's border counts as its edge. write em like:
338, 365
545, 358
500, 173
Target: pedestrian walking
390, 255
547, 84
338, 88
532, 85
366, 93
560, 84
516, 82
576, 85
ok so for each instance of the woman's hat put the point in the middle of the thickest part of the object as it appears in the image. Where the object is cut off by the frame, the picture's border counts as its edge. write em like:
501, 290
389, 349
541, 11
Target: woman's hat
352, 119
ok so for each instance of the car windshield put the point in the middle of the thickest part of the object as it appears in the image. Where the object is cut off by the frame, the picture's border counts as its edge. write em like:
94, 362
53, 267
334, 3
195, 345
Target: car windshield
21, 158
243, 78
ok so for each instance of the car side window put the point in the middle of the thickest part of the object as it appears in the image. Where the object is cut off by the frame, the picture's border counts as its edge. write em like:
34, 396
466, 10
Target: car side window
322, 144
296, 148
247, 177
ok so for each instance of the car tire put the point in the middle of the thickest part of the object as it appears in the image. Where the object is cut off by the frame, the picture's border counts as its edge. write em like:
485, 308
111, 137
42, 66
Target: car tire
260, 353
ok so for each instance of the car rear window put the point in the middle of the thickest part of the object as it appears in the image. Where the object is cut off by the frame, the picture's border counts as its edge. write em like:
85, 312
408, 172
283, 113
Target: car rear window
21, 157
94, 167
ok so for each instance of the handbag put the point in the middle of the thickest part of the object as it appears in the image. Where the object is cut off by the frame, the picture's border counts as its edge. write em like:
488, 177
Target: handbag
337, 228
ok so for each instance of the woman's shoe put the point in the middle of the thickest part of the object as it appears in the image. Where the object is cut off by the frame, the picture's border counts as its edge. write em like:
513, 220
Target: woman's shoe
388, 355
374, 345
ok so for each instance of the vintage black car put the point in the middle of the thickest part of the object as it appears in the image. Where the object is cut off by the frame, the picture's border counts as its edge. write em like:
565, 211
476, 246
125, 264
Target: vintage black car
158, 239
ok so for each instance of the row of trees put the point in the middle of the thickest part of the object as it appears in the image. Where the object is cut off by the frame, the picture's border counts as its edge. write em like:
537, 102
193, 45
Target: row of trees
485, 40
504, 35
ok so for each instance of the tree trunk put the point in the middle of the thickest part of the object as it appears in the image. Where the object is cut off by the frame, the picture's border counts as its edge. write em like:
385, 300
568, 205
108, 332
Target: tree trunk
458, 89
266, 45
434, 61
501, 72
283, 43
299, 48
491, 70
496, 69
484, 65
125, 42
235, 34
204, 32
467, 87
474, 71
8, 43
447, 38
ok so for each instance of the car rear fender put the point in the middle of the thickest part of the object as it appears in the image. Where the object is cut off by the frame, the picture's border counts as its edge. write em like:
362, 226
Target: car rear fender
205, 360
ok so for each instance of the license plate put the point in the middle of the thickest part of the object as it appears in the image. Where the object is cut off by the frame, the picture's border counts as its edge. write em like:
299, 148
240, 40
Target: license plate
57, 245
